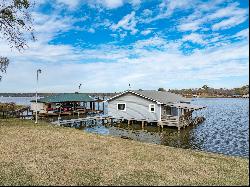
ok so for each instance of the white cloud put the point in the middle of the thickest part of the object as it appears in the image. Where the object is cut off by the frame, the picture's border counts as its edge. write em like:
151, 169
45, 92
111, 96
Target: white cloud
112, 3
195, 38
146, 32
135, 2
72, 4
231, 10
128, 23
48, 26
231, 22
172, 5
91, 30
242, 34
153, 42
111, 68
232, 15
147, 12
167, 8
190, 26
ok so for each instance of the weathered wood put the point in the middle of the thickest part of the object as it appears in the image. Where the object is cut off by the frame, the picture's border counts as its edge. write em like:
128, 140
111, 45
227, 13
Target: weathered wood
142, 124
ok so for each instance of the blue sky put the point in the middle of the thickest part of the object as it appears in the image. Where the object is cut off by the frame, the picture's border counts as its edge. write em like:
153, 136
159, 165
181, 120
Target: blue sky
108, 44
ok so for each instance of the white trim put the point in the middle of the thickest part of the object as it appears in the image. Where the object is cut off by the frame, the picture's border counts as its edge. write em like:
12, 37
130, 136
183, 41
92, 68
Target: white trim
121, 104
150, 106
129, 91
159, 105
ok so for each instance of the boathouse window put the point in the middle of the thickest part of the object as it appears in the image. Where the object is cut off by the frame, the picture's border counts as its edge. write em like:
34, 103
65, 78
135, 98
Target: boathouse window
152, 107
121, 106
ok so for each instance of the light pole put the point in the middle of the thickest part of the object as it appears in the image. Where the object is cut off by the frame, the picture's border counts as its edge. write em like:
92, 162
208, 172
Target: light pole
37, 72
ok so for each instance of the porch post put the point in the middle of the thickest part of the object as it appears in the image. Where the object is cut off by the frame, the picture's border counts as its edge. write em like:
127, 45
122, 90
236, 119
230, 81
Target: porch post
98, 104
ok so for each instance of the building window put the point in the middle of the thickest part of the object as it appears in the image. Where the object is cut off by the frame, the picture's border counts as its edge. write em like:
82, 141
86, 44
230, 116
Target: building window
121, 106
152, 107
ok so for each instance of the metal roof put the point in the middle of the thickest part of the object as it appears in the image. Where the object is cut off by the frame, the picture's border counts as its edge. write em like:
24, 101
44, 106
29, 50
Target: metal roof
66, 97
161, 97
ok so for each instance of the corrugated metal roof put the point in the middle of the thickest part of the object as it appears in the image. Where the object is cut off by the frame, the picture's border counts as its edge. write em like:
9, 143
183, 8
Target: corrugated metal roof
162, 97
66, 97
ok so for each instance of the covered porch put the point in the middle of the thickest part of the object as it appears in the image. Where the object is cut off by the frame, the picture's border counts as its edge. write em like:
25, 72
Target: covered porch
180, 115
67, 104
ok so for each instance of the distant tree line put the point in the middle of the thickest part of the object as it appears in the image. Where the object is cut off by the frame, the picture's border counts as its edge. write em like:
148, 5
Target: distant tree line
212, 92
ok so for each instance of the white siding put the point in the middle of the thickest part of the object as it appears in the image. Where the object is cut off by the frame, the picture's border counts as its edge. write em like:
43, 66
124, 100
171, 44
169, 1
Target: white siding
136, 107
40, 107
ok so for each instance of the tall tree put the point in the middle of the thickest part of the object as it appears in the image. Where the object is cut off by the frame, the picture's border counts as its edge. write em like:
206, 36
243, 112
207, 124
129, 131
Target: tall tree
15, 26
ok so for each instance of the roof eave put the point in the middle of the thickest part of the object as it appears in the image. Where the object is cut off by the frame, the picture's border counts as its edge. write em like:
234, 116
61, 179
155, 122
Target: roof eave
130, 91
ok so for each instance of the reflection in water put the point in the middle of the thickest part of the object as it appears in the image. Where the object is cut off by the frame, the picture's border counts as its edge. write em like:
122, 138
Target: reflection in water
151, 134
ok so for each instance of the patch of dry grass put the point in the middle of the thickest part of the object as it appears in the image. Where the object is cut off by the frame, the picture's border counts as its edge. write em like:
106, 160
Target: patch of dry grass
48, 155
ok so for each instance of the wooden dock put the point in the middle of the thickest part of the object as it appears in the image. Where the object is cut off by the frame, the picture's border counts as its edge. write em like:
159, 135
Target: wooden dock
92, 120
111, 120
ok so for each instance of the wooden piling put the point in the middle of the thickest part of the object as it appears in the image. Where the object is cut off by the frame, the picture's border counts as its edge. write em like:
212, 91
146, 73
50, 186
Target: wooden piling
142, 124
103, 105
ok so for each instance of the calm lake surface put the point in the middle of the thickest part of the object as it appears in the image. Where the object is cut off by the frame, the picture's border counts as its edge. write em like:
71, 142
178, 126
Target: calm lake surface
225, 130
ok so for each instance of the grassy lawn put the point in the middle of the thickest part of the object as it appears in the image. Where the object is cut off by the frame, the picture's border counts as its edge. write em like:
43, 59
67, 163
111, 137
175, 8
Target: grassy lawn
48, 155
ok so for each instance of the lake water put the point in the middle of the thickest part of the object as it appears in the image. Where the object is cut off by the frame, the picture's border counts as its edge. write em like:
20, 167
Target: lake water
225, 130
17, 100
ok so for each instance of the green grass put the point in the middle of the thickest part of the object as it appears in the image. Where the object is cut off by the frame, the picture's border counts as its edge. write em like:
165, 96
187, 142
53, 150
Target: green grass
47, 155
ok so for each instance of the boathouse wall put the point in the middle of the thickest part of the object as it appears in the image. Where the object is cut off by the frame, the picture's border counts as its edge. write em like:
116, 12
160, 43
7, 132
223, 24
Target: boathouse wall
136, 107
41, 107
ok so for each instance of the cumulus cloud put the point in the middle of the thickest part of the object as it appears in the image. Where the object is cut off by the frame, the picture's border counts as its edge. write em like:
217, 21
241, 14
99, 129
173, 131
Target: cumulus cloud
128, 23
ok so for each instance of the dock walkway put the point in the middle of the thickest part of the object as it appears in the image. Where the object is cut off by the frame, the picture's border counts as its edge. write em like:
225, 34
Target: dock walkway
104, 119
